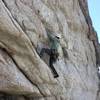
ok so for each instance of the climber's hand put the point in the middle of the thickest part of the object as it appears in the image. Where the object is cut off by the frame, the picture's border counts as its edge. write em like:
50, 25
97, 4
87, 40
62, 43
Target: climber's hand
65, 52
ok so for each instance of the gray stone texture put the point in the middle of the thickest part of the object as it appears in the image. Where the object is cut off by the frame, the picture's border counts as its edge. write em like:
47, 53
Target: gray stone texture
23, 74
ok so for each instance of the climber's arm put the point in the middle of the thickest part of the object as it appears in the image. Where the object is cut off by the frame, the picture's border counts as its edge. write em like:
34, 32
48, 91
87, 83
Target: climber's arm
65, 52
64, 47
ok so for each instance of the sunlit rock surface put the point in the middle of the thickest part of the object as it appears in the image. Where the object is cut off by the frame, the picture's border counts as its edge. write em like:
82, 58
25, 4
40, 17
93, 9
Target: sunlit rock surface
23, 74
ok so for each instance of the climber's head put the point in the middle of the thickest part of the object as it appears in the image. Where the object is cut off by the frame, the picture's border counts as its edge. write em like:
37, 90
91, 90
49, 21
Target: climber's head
58, 36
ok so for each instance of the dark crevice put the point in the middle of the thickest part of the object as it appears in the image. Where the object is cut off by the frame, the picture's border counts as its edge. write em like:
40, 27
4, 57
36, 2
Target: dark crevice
7, 8
14, 19
4, 96
22, 71
11, 15
12, 57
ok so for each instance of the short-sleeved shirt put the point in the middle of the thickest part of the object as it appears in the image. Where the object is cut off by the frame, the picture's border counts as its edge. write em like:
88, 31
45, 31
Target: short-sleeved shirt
54, 44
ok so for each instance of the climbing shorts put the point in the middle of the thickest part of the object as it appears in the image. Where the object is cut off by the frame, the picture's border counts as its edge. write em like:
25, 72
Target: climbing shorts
54, 54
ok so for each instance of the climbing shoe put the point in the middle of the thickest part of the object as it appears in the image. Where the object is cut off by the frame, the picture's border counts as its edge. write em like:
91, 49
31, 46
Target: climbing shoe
55, 76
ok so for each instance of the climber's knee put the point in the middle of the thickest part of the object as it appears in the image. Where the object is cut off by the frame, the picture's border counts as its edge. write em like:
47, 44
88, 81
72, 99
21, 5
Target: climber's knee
54, 55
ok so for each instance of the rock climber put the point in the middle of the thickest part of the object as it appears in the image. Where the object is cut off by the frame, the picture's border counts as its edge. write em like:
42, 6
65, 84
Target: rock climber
57, 44
52, 52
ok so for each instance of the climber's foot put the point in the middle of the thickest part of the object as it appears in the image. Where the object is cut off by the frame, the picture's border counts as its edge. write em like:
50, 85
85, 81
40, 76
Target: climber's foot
56, 75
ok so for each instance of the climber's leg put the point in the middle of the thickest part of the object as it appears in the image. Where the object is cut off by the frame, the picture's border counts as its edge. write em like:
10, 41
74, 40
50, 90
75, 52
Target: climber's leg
45, 50
51, 61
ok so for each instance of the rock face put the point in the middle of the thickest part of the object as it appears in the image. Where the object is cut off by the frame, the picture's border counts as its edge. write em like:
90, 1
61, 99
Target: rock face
26, 76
